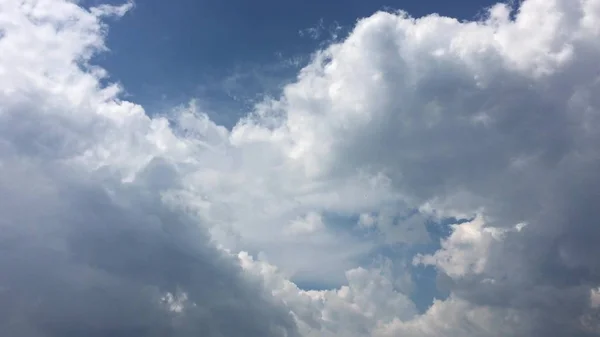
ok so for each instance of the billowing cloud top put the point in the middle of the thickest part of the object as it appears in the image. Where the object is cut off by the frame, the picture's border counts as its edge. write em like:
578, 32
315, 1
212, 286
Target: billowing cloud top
115, 223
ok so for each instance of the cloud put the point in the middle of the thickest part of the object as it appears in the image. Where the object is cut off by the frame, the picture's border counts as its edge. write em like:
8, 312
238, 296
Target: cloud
312, 223
82, 252
369, 299
109, 216
489, 120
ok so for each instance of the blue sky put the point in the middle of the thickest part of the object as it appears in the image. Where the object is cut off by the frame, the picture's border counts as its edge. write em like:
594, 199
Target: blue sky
227, 53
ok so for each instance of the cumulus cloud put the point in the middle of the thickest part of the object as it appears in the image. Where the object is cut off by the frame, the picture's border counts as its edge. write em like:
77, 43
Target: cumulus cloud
110, 217
487, 120
370, 299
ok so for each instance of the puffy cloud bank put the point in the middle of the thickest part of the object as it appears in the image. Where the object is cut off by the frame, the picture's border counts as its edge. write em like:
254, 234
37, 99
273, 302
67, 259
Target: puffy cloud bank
114, 222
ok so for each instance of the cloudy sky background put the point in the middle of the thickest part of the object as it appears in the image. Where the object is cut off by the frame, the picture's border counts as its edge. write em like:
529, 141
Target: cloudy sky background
406, 174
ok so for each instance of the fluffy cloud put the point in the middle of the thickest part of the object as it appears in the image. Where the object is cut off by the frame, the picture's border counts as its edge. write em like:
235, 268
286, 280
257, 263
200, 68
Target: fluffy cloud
109, 216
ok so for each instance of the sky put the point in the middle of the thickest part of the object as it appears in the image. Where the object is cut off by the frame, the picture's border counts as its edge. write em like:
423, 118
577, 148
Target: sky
297, 169
231, 53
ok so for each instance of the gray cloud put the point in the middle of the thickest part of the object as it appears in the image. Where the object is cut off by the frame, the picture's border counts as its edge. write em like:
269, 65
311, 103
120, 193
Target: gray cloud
80, 260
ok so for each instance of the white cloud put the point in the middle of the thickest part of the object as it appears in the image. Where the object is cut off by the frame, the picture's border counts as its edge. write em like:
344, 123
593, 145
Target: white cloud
311, 223
465, 251
456, 317
370, 299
